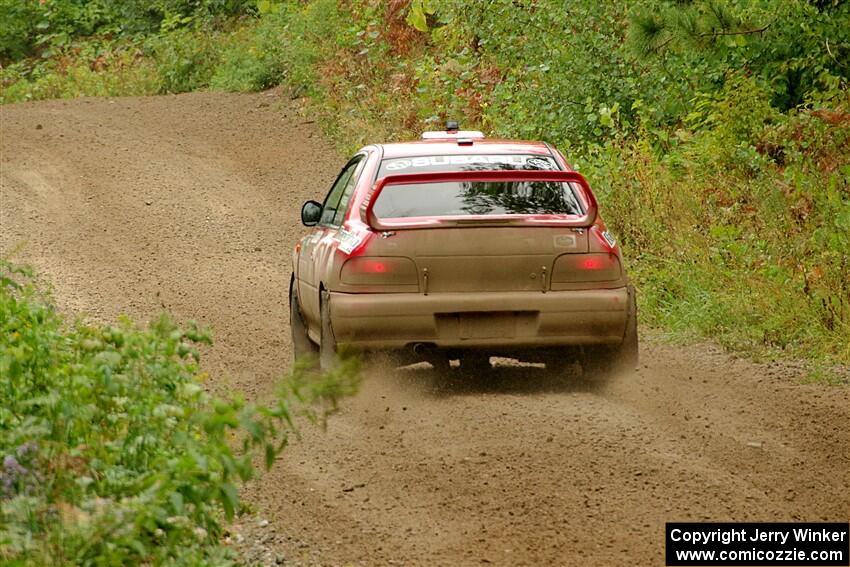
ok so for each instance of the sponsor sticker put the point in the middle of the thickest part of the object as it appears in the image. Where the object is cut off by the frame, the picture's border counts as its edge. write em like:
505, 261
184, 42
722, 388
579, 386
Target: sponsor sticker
609, 238
348, 241
515, 161
565, 241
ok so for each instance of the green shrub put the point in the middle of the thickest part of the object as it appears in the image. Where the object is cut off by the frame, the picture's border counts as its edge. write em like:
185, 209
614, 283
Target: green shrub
111, 452
254, 57
89, 69
28, 27
725, 242
186, 59
17, 26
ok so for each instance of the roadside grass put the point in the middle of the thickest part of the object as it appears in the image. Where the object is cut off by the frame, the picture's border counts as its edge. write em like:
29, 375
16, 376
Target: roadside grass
112, 451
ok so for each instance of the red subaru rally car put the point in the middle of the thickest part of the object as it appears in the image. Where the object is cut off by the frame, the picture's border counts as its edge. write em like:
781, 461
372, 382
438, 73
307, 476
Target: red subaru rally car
458, 247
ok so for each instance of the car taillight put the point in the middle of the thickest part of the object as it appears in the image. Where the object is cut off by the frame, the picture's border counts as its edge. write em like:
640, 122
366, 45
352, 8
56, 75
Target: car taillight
365, 270
371, 266
593, 263
577, 268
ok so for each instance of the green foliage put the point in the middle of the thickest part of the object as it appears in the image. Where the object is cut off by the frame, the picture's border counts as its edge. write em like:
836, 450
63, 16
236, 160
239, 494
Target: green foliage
30, 26
112, 452
417, 15
89, 69
17, 28
797, 48
67, 48
741, 233
186, 59
254, 58
183, 46
313, 34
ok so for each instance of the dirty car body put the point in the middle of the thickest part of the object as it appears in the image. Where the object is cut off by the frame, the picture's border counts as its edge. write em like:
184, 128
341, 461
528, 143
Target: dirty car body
461, 247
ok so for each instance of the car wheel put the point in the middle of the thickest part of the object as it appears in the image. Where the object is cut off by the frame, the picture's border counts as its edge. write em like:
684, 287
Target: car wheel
605, 361
328, 357
627, 357
303, 348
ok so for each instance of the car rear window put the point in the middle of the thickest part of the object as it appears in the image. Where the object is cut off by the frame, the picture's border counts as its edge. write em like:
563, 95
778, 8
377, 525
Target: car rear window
476, 198
473, 198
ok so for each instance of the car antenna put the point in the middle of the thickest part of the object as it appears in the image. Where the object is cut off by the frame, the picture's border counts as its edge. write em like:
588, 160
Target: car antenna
452, 126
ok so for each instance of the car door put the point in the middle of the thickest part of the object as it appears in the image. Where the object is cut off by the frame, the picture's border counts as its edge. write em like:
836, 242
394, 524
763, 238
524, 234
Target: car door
318, 246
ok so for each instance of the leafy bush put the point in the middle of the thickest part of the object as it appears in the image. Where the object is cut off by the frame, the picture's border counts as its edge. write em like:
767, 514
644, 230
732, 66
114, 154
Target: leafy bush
46, 25
254, 58
726, 242
186, 59
17, 28
88, 69
111, 452
797, 49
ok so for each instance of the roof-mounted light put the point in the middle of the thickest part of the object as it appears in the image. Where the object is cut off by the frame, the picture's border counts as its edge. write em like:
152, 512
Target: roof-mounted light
453, 132
449, 135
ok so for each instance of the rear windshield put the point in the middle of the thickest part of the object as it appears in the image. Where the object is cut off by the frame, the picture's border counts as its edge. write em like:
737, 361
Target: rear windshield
477, 197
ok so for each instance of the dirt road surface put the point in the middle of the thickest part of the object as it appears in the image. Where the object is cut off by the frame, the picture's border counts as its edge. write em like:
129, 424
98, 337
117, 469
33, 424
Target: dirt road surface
190, 203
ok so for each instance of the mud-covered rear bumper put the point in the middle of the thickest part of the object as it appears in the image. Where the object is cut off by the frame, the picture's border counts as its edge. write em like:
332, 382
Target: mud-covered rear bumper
379, 321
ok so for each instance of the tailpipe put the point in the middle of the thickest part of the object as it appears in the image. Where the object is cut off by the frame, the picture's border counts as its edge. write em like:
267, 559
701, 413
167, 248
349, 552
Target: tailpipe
423, 348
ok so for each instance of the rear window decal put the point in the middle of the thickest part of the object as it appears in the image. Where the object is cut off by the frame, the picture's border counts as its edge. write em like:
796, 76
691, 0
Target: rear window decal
510, 161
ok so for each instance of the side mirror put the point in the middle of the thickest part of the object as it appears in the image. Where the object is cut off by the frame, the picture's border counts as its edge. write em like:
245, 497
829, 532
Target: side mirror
311, 212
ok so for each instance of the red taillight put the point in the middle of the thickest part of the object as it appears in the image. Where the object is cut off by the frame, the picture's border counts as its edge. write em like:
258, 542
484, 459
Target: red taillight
578, 268
384, 271
372, 267
594, 263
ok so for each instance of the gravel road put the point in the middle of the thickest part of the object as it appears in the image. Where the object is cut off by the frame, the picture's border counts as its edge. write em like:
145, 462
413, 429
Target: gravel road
190, 203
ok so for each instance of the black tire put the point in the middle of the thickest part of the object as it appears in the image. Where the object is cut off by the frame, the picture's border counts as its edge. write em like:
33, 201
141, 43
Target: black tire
304, 350
328, 356
628, 356
606, 361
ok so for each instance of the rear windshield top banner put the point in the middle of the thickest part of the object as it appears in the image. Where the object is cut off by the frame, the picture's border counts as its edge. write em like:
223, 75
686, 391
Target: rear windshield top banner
466, 162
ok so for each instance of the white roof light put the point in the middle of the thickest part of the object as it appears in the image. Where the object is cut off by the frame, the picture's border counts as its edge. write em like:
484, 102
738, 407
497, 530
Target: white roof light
452, 135
453, 132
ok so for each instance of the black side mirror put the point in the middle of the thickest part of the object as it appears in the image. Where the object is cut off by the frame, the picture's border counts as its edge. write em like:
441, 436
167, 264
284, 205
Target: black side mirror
311, 212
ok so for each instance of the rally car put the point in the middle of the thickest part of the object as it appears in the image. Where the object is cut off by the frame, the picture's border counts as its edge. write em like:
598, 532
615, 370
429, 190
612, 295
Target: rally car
459, 247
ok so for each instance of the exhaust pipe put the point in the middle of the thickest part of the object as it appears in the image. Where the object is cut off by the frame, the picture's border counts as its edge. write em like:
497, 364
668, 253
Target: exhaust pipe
423, 348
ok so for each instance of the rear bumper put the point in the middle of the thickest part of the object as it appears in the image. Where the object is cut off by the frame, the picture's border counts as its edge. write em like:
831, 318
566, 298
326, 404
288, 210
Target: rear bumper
381, 321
